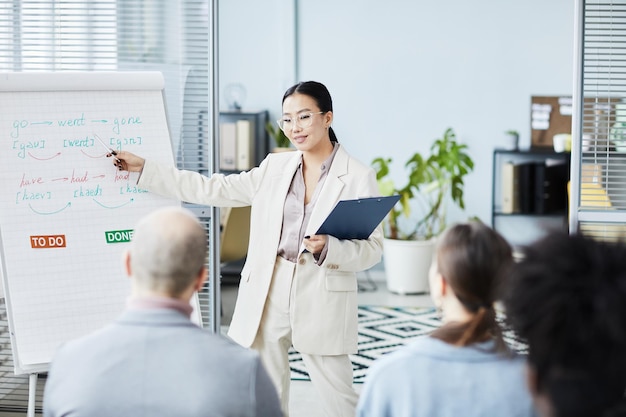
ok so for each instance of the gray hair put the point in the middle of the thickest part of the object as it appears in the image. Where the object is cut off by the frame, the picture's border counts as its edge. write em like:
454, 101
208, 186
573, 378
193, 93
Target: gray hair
168, 250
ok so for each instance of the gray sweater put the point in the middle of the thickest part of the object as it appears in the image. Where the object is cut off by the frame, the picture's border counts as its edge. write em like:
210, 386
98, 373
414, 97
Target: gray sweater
157, 363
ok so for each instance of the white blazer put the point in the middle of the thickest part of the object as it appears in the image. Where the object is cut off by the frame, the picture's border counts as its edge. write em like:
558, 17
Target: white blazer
324, 314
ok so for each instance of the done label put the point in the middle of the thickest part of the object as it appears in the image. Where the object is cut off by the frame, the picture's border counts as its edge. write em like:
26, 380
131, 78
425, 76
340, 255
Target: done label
119, 236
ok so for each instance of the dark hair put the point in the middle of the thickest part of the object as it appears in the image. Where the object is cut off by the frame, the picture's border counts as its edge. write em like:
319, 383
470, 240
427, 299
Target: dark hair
473, 259
319, 93
567, 301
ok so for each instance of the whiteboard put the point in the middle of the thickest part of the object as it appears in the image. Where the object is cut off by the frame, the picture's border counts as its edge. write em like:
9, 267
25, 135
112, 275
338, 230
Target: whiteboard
66, 213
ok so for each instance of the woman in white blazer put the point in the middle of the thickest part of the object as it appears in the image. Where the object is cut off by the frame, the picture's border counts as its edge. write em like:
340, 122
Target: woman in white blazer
296, 288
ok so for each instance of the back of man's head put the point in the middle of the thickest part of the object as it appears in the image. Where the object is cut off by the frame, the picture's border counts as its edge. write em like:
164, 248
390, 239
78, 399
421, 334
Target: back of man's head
567, 300
168, 251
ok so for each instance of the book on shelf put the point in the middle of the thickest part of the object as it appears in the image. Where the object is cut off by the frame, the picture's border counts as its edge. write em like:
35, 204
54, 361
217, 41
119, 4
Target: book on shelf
517, 187
244, 145
228, 146
527, 187
510, 188
551, 178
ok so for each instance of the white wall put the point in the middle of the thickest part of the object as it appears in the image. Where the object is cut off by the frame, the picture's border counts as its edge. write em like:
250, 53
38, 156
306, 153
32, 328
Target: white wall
402, 71
256, 50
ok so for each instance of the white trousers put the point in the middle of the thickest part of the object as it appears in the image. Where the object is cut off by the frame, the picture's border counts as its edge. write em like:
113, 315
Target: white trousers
331, 375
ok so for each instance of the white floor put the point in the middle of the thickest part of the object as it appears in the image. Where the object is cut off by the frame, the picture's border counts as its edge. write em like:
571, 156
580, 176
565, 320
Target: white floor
304, 401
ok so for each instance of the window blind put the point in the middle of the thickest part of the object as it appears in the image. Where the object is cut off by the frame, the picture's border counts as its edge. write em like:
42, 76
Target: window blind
171, 36
598, 189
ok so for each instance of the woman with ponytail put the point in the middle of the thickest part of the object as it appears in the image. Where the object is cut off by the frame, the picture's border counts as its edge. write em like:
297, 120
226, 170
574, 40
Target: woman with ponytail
464, 367
297, 288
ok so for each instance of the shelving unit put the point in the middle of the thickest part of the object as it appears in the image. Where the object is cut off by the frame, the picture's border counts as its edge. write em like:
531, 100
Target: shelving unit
522, 227
257, 119
260, 148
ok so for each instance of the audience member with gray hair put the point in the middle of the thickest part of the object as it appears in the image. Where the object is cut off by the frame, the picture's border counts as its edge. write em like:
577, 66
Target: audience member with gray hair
153, 360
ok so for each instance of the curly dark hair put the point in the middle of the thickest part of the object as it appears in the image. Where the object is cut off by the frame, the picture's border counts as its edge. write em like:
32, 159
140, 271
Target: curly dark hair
567, 300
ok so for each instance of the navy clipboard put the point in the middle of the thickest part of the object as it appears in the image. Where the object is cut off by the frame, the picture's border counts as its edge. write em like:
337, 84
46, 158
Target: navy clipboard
357, 219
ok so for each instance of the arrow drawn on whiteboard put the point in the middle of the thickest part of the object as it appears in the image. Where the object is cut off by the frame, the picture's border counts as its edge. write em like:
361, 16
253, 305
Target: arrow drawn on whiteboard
44, 159
41, 123
52, 212
60, 179
100, 121
99, 176
91, 156
114, 207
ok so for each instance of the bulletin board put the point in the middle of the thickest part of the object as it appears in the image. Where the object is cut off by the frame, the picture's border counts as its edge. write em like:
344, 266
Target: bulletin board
66, 212
549, 115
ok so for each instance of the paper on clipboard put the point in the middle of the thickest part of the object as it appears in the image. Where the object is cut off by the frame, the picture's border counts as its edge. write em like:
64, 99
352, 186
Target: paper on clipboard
357, 219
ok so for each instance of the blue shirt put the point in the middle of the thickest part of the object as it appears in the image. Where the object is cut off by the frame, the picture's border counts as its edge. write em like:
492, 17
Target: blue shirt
432, 378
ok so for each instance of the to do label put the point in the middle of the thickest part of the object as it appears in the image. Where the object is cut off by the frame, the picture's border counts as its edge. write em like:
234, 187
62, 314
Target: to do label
47, 241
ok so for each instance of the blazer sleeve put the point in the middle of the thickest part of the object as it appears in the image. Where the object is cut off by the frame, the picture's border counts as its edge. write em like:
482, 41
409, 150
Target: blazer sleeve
221, 190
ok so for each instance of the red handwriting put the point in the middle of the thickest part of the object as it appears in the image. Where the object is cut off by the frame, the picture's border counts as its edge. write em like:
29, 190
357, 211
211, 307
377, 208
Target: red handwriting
25, 182
79, 179
122, 176
42, 158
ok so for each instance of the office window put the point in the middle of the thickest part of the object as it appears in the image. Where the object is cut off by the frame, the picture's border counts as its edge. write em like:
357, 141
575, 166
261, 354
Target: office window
57, 36
599, 159
127, 35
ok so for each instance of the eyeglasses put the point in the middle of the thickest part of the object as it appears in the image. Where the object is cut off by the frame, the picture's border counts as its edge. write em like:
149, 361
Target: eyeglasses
303, 120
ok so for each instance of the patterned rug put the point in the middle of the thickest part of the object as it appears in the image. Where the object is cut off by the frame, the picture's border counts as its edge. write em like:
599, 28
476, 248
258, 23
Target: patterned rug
383, 330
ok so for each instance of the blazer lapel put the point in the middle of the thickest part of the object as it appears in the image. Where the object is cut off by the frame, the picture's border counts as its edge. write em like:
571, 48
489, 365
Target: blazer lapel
331, 191
283, 177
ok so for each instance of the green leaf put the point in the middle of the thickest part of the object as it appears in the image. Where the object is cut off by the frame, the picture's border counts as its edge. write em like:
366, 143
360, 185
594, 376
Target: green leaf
432, 179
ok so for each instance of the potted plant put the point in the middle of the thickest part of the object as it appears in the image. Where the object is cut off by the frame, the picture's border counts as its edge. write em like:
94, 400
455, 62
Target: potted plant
280, 139
433, 181
512, 139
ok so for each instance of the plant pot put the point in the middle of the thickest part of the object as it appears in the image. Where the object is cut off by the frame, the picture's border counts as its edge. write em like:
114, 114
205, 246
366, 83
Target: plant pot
511, 142
407, 263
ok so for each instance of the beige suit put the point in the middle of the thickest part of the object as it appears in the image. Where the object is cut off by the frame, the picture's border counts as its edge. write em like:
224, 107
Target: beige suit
324, 307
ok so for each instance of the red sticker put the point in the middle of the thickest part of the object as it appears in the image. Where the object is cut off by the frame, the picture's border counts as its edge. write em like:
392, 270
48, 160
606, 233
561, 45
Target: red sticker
47, 241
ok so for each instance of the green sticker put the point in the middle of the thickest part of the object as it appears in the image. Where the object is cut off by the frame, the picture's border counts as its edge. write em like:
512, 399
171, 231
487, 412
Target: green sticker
119, 236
